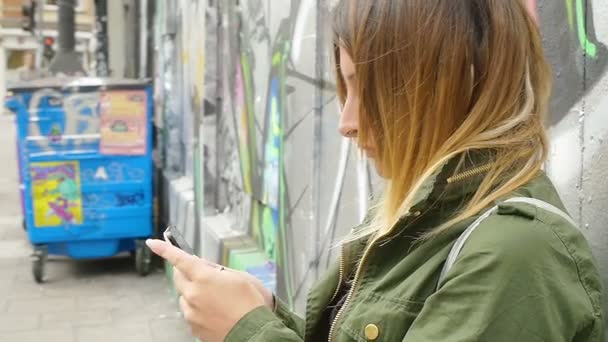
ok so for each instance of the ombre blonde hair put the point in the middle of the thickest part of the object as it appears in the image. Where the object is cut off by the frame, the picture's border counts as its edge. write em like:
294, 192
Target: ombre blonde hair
437, 79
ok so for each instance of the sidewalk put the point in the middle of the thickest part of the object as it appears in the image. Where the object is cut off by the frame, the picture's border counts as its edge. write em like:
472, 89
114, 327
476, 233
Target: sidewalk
87, 301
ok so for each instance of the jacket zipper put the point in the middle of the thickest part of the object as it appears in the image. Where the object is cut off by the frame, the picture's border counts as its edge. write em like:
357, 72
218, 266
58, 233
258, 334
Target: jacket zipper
453, 179
340, 274
470, 173
351, 291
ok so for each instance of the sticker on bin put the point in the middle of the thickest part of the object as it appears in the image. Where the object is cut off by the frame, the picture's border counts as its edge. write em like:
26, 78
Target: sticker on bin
123, 120
57, 199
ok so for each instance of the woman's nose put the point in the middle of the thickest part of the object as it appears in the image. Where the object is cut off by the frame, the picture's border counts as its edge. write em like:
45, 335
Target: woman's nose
349, 125
349, 133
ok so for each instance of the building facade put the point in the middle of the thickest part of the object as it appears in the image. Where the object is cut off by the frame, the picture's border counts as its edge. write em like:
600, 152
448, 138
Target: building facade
23, 53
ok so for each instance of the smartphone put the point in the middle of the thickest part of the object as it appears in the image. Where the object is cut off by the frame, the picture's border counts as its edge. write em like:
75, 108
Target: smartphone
173, 235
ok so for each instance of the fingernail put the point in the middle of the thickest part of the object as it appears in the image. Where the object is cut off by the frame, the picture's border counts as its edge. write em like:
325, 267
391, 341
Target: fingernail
153, 243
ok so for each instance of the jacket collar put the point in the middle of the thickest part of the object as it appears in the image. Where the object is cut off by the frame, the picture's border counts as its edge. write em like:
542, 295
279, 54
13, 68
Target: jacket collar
457, 178
453, 182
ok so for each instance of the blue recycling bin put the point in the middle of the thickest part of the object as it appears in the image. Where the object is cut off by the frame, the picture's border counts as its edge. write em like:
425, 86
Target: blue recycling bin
85, 159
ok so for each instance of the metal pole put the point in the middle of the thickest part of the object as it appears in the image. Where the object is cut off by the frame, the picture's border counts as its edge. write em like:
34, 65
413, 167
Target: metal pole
40, 35
219, 93
318, 140
66, 61
2, 77
143, 38
66, 25
101, 51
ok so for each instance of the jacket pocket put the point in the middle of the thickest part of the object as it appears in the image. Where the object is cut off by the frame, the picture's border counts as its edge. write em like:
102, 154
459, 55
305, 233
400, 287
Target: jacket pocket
373, 317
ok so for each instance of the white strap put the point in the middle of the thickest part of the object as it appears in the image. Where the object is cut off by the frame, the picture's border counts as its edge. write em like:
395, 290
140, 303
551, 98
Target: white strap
457, 247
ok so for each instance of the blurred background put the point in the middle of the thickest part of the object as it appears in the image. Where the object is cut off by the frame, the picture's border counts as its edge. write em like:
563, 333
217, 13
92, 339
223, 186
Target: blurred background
234, 106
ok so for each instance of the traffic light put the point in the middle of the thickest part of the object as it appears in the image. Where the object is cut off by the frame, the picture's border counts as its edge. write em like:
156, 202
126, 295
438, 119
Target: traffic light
48, 51
28, 12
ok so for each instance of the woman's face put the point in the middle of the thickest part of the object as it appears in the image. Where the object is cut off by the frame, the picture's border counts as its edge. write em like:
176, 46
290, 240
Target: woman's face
349, 119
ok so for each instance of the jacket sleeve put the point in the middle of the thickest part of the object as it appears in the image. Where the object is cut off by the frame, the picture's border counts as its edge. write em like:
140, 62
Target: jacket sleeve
516, 279
264, 325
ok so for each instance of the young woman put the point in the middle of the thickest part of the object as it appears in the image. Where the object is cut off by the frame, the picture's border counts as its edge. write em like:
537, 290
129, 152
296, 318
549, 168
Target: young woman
469, 241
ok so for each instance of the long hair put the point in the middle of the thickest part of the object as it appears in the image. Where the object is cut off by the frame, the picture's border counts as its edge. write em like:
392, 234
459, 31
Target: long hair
437, 79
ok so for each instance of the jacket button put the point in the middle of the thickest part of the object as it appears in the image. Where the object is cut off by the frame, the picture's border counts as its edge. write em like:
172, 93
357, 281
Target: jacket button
372, 332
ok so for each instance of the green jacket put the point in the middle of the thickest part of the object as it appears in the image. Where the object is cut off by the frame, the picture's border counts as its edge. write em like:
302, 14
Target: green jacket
525, 274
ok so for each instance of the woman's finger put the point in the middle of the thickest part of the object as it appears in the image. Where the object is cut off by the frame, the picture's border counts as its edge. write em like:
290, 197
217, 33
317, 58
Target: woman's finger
183, 261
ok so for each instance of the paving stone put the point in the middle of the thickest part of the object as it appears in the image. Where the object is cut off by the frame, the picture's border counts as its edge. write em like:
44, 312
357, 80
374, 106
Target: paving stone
71, 319
170, 329
52, 335
41, 305
127, 332
16, 323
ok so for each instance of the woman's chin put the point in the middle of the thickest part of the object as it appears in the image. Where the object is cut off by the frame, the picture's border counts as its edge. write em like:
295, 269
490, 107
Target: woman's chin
378, 167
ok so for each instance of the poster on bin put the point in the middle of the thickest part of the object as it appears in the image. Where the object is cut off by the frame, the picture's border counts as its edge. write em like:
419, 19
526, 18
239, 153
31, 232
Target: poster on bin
123, 122
56, 195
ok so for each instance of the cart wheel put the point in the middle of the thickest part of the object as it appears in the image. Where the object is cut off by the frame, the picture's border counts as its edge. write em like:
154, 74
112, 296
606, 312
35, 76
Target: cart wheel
38, 262
143, 257
38, 270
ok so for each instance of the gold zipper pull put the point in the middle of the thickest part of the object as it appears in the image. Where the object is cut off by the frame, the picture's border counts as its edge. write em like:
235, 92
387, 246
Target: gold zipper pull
470, 173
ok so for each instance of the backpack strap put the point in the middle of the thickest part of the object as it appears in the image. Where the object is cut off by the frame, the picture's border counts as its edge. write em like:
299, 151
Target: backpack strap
457, 247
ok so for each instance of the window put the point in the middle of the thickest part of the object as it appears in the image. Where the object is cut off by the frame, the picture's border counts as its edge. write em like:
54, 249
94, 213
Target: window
52, 4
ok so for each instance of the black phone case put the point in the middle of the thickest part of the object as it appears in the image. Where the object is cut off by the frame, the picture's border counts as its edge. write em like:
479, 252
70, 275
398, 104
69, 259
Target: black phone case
176, 239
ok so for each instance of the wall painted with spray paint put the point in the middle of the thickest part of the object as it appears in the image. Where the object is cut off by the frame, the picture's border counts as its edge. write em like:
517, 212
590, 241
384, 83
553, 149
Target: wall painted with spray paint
285, 183
575, 34
277, 170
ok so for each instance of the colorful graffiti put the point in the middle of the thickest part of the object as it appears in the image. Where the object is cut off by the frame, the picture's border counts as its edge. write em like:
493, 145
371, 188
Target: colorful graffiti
113, 122
265, 154
578, 125
63, 121
578, 9
113, 199
579, 59
56, 193
577, 15
253, 153
112, 171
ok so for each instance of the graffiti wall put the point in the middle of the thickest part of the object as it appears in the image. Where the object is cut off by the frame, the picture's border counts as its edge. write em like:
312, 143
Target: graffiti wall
281, 187
576, 34
267, 168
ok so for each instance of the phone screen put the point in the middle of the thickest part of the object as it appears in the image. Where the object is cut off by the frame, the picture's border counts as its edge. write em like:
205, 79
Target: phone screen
173, 235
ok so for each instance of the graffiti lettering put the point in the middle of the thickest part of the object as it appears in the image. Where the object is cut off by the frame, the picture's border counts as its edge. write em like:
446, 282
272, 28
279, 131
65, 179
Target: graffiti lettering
113, 172
134, 199
39, 172
81, 117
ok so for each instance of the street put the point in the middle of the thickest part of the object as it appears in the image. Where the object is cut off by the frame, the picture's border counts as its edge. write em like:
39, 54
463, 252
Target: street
101, 300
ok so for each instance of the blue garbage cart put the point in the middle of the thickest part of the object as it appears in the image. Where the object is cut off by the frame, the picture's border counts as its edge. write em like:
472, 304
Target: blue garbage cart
85, 159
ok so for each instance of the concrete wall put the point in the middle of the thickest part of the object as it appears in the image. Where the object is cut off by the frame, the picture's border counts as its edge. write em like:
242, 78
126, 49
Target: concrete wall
576, 34
116, 37
123, 38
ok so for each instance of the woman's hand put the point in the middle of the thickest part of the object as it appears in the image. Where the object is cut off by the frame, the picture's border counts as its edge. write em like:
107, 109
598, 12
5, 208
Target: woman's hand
212, 298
